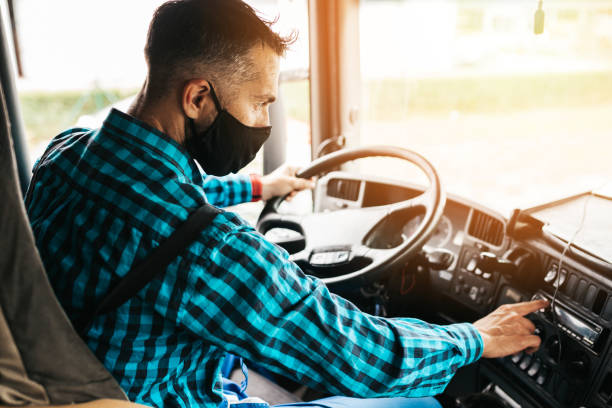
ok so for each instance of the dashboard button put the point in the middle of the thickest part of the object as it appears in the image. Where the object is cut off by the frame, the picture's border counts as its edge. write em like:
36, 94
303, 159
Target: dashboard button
534, 368
473, 293
551, 275
542, 376
471, 266
581, 290
486, 275
525, 362
572, 281
515, 358
560, 279
539, 331
589, 298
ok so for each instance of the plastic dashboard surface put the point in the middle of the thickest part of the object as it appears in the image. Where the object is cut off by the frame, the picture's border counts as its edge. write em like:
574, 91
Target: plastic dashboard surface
573, 367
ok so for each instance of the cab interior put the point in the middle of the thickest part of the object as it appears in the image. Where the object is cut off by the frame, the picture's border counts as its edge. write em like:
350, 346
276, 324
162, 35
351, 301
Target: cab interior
392, 235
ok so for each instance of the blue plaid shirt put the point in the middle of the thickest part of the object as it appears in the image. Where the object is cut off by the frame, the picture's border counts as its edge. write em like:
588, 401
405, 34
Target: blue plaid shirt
101, 200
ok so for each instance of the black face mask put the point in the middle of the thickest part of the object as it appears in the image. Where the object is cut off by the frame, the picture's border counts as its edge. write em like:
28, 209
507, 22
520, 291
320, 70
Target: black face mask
227, 145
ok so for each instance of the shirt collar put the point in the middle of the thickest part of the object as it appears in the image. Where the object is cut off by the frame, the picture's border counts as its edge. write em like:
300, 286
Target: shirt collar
142, 134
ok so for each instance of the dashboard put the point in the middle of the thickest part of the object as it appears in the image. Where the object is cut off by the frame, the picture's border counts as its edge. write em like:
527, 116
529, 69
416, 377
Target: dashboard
573, 367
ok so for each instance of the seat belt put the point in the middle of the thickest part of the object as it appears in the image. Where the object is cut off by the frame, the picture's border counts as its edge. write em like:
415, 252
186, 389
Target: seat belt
153, 265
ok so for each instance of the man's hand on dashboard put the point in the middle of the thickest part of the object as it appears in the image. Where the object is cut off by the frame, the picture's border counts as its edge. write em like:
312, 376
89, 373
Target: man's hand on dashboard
506, 331
283, 181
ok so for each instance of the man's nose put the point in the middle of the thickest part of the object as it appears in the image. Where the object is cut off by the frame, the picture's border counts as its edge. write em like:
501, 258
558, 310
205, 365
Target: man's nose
265, 118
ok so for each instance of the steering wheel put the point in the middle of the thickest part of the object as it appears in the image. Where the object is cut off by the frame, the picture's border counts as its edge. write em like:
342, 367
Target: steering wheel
336, 245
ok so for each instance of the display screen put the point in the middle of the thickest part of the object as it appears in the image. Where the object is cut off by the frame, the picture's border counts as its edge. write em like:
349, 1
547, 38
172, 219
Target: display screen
578, 326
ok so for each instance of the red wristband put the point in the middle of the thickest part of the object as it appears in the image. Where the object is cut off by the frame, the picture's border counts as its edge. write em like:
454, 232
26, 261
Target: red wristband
256, 186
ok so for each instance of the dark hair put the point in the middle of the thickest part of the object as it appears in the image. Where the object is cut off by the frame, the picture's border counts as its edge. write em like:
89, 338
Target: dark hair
188, 38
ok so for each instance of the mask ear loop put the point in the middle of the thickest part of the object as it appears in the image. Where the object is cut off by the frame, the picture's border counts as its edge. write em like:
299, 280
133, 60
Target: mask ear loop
215, 99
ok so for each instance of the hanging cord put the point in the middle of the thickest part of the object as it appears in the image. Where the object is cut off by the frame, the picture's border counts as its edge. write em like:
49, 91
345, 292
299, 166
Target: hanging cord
558, 279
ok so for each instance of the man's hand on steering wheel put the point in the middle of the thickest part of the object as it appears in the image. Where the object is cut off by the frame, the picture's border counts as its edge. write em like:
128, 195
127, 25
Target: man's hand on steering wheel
283, 181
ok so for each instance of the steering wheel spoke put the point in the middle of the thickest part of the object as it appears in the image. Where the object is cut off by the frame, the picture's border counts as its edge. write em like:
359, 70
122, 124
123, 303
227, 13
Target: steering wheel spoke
423, 200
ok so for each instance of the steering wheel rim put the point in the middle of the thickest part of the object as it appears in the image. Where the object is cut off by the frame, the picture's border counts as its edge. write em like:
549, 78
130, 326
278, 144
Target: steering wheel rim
432, 200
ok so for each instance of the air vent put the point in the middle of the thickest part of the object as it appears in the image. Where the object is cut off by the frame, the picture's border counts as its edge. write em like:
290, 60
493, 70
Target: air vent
486, 228
345, 189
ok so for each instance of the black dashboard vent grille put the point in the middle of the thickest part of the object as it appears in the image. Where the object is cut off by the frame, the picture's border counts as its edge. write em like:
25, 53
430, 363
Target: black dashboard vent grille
345, 189
486, 228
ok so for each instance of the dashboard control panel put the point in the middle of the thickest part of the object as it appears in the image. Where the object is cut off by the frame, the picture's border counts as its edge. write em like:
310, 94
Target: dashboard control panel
569, 359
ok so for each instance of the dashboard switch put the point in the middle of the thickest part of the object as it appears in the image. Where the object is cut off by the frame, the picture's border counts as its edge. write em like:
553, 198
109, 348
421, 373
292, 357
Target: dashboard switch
525, 362
473, 293
572, 281
581, 290
471, 266
560, 279
517, 357
589, 298
551, 275
534, 368
542, 376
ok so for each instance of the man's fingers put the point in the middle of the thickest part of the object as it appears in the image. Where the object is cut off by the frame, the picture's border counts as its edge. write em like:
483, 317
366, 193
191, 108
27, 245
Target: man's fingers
527, 325
301, 184
516, 344
524, 308
531, 342
291, 170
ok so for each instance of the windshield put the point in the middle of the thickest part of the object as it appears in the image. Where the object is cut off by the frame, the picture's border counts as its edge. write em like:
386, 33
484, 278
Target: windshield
508, 117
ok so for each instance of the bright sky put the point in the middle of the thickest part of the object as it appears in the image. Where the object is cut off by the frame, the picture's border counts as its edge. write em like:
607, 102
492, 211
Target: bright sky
72, 44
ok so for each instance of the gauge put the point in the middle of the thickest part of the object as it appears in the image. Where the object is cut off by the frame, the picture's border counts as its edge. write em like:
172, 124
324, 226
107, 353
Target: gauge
440, 237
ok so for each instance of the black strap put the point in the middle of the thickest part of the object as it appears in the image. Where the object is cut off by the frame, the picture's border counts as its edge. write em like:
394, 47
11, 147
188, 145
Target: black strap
157, 262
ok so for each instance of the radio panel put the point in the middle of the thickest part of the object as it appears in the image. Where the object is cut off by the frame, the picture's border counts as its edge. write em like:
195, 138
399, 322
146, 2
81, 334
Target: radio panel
584, 331
568, 360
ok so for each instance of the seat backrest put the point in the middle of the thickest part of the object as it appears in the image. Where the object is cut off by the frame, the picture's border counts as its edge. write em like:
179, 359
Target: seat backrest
42, 359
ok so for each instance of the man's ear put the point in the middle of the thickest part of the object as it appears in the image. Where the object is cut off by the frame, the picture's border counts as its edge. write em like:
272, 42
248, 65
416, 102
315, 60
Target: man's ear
194, 97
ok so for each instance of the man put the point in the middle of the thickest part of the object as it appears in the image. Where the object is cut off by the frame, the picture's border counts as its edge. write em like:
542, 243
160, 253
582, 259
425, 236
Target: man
101, 200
